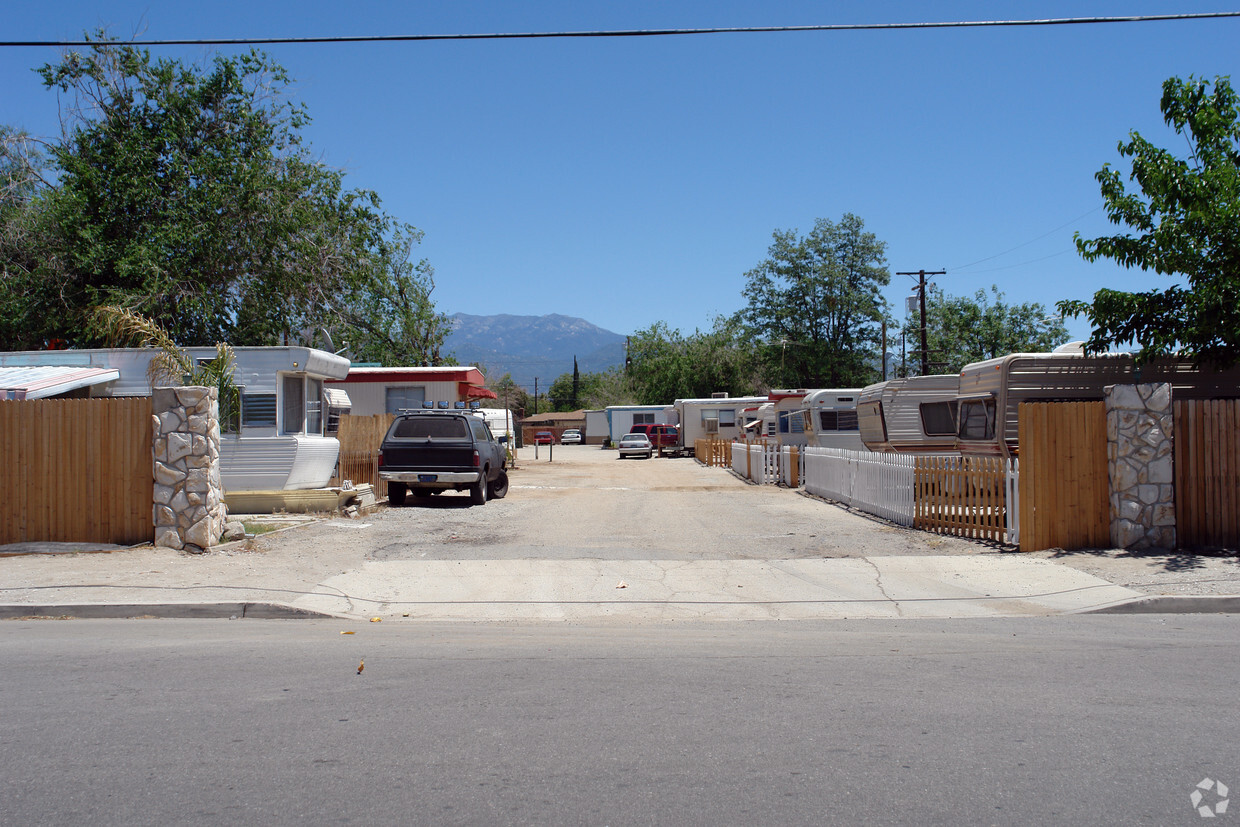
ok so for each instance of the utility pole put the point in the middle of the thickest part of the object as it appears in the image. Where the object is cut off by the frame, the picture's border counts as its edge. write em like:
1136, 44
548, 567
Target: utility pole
535, 396
921, 290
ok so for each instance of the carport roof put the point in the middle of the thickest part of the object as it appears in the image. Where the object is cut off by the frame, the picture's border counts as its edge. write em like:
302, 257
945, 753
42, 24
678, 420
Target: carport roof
50, 380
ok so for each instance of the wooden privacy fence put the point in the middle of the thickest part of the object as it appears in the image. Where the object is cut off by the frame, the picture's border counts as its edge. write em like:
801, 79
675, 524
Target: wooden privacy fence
964, 496
76, 470
715, 453
1064, 488
1207, 472
360, 438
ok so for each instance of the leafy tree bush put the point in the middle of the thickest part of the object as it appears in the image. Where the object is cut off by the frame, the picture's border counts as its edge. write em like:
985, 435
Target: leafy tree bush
1185, 222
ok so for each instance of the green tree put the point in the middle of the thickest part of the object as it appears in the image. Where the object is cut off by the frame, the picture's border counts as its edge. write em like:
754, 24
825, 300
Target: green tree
1185, 222
187, 195
816, 307
960, 330
510, 395
666, 365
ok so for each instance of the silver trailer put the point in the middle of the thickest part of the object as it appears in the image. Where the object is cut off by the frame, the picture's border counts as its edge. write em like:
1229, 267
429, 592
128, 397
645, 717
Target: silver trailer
912, 415
280, 442
991, 391
831, 418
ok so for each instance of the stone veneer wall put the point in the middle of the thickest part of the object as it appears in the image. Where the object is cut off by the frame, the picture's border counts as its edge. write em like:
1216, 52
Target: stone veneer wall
189, 506
1141, 466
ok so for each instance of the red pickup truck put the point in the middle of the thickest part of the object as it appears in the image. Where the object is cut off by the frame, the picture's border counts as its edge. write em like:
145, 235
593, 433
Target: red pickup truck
661, 436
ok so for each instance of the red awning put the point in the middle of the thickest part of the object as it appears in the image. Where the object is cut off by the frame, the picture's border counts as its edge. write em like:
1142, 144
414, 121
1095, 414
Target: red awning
474, 391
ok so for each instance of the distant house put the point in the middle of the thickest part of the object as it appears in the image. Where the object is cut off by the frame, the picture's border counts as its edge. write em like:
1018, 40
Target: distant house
374, 391
556, 423
281, 441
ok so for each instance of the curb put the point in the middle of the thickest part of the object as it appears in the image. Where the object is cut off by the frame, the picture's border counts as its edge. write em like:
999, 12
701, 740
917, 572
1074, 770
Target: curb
1174, 604
193, 611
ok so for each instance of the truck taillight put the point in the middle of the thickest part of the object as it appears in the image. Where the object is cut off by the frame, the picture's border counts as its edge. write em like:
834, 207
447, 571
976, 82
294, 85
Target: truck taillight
477, 459
380, 459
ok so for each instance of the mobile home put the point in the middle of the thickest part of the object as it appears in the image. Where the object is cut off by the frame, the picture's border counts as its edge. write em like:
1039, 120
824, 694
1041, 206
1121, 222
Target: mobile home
916, 414
991, 391
622, 418
279, 440
715, 418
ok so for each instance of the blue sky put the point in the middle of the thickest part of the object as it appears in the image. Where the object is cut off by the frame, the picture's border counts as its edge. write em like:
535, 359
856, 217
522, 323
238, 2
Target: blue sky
633, 180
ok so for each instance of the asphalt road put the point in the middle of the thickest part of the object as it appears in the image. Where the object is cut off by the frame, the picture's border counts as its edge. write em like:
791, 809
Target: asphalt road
1065, 720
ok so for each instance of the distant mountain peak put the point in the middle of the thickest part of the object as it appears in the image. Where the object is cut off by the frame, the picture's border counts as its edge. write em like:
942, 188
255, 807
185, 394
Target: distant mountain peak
529, 347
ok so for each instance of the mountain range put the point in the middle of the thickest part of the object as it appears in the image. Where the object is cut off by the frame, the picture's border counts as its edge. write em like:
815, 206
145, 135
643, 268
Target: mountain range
532, 347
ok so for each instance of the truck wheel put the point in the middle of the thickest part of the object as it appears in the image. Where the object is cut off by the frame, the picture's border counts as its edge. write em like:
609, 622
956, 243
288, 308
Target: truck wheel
499, 488
478, 491
396, 493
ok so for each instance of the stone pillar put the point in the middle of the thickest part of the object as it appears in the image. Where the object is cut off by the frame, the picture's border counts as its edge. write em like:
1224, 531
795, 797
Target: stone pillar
1141, 466
189, 506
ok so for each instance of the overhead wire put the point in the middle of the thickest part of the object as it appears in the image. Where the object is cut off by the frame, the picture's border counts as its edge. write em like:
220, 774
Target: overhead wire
827, 27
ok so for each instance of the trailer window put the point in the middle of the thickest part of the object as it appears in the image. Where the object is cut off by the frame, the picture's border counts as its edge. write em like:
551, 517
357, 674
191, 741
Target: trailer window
837, 420
977, 419
938, 418
431, 427
314, 406
874, 414
405, 398
792, 422
727, 419
258, 410
294, 404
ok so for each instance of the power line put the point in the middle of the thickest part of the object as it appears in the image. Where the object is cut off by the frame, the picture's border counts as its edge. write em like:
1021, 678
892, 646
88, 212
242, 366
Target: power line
1030, 241
830, 27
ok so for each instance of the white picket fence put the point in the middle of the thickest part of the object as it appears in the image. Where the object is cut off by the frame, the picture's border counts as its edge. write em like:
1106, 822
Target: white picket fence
876, 483
768, 464
879, 484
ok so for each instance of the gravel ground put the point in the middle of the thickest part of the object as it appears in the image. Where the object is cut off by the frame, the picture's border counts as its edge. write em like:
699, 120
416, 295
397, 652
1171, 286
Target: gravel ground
588, 504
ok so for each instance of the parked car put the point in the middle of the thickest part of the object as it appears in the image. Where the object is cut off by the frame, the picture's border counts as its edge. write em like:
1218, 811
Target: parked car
660, 436
571, 437
544, 438
635, 445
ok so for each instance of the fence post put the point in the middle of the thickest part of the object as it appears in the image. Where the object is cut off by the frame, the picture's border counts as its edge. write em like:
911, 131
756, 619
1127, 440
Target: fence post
188, 510
793, 476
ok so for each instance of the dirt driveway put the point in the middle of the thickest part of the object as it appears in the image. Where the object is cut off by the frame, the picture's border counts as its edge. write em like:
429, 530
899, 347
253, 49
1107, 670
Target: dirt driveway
587, 503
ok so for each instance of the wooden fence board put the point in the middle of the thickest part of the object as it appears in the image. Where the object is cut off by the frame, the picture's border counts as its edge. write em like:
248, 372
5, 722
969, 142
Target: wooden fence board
964, 496
76, 470
1064, 485
1207, 472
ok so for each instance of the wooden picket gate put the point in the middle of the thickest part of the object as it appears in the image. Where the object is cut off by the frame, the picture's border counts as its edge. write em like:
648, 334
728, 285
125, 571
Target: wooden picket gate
713, 452
1064, 485
76, 470
963, 496
1207, 472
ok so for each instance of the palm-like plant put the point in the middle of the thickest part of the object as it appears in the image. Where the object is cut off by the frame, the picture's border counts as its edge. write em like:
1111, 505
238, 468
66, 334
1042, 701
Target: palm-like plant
122, 326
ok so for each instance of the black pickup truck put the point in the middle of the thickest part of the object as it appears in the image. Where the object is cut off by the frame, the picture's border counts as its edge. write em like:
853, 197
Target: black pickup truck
427, 452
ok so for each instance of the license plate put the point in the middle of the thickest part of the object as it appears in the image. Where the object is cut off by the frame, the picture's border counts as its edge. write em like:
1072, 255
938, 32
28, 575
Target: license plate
427, 477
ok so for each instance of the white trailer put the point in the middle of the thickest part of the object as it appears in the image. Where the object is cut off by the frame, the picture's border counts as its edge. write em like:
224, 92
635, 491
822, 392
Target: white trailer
279, 442
831, 415
915, 415
715, 418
